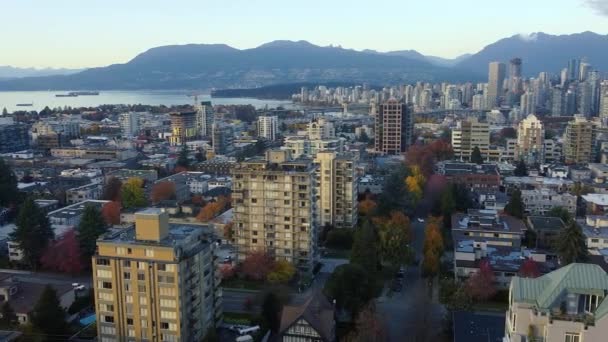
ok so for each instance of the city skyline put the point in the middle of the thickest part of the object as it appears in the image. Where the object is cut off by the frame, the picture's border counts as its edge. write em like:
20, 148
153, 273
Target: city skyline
107, 33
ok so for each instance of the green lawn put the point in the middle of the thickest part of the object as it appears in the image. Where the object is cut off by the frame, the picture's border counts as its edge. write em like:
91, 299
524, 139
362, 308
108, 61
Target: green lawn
237, 318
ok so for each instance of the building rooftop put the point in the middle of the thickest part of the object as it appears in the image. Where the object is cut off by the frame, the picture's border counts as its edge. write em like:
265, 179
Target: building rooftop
478, 327
545, 223
543, 292
179, 233
597, 199
76, 209
487, 220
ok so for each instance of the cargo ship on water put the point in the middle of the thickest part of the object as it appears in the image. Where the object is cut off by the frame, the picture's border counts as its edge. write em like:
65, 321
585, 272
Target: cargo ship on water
78, 93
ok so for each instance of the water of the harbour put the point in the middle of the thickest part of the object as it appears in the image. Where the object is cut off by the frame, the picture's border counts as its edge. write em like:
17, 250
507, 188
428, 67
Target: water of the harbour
41, 99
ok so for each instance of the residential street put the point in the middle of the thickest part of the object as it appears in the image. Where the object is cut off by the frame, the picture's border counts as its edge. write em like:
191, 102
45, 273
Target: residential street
411, 315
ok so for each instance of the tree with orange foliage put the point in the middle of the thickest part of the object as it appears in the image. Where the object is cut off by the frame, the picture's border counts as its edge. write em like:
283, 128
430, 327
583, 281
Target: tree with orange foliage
257, 265
212, 209
367, 206
433, 247
415, 183
111, 212
162, 191
228, 231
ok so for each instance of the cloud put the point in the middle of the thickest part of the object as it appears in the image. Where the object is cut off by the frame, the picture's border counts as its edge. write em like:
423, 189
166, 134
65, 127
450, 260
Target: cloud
600, 6
528, 37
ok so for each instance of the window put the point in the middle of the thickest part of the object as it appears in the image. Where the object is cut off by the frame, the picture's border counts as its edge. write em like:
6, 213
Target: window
126, 263
149, 253
572, 337
108, 330
141, 276
167, 291
129, 321
106, 285
103, 262
141, 265
128, 287
106, 296
121, 250
168, 303
104, 274
108, 319
129, 299
254, 240
141, 288
168, 314
131, 332
143, 312
164, 325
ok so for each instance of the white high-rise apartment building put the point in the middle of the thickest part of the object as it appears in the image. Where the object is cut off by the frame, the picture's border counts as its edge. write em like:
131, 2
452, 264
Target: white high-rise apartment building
268, 127
337, 185
604, 99
530, 140
204, 118
129, 124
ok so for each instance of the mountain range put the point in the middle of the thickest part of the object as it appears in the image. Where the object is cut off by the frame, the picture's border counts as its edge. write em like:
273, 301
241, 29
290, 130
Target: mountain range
9, 72
207, 66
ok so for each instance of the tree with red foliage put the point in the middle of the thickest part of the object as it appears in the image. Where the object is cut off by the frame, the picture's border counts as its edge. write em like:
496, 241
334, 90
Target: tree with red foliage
198, 199
441, 150
111, 212
162, 191
529, 269
227, 271
63, 255
421, 156
257, 265
480, 286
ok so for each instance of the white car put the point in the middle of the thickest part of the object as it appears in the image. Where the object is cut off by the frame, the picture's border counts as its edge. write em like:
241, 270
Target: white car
421, 220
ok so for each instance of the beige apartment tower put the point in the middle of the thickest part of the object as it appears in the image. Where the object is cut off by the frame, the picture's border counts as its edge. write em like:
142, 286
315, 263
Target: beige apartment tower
275, 208
337, 189
156, 282
579, 140
469, 134
394, 128
183, 127
530, 141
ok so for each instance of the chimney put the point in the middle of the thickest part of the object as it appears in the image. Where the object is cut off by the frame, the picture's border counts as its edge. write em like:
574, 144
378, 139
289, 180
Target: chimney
151, 225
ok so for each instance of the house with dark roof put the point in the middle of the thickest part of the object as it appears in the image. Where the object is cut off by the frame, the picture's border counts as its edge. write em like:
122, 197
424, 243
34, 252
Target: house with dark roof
310, 322
568, 304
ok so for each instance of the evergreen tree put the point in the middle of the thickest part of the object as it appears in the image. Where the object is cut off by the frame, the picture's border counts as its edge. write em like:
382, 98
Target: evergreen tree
271, 310
365, 248
182, 159
4, 112
48, 317
521, 170
515, 207
8, 185
570, 244
9, 318
560, 212
476, 156
33, 232
92, 225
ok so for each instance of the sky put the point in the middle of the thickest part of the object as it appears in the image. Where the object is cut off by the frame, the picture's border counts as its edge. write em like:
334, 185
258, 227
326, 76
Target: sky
89, 33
